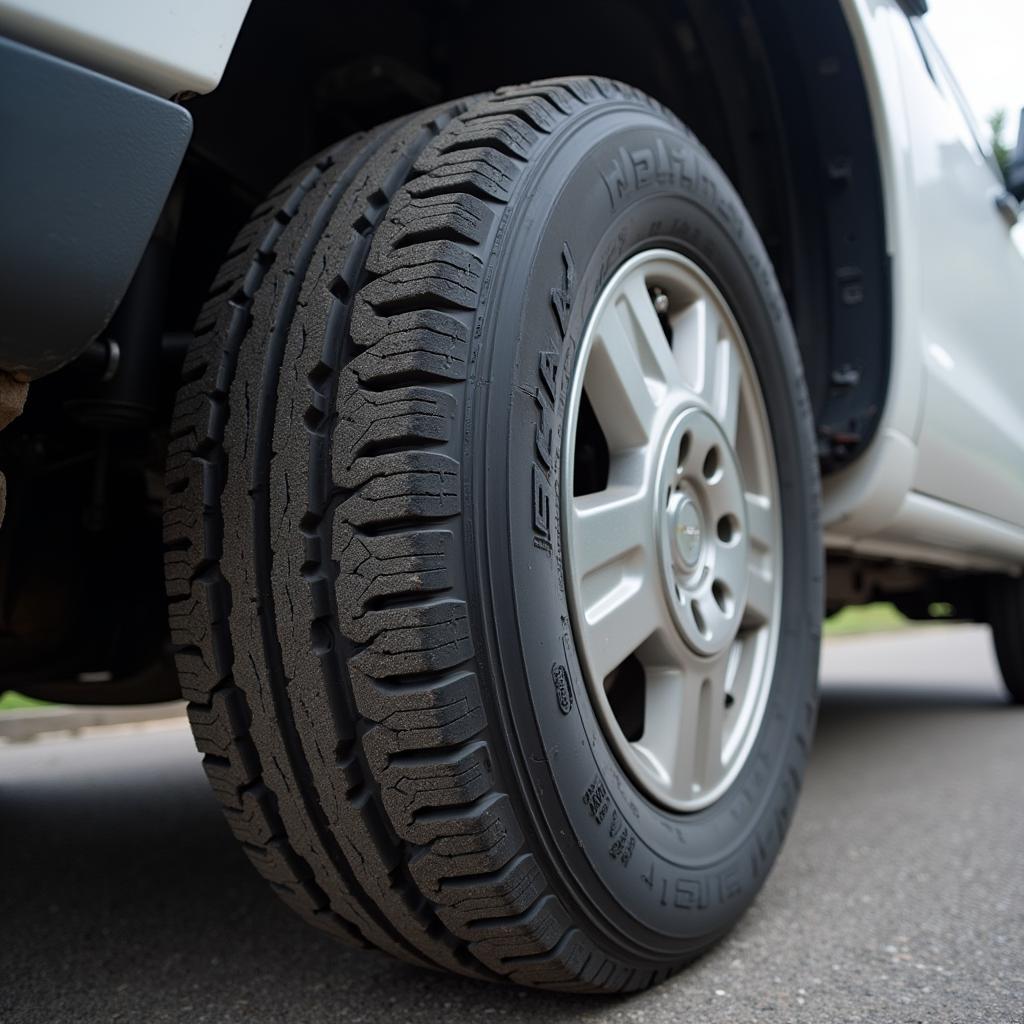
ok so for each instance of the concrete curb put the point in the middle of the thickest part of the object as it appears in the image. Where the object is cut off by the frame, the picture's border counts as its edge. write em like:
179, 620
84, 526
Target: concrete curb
26, 723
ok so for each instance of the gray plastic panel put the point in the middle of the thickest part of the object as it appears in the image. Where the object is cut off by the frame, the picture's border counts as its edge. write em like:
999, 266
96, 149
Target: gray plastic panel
85, 167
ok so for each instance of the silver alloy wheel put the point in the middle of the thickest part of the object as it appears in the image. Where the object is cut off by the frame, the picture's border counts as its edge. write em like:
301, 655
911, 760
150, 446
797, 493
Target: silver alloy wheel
674, 562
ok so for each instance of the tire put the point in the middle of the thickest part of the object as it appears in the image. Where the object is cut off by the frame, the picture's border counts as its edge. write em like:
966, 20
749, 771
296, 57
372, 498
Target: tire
1006, 615
364, 539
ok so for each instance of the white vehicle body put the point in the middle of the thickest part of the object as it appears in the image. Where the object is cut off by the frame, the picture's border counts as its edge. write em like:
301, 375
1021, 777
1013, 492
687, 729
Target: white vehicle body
944, 477
943, 480
166, 48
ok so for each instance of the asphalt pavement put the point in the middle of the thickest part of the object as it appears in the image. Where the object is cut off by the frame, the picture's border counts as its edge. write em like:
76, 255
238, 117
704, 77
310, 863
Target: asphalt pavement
899, 896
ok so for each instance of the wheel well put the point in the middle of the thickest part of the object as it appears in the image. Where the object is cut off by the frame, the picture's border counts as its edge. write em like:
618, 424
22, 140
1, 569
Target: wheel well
772, 88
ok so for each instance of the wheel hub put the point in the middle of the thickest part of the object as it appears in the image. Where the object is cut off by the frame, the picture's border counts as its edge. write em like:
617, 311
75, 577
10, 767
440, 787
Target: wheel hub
703, 540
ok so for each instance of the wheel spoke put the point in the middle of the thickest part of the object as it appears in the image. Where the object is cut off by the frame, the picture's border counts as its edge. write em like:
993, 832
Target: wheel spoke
759, 521
616, 385
760, 579
683, 725
608, 527
621, 611
714, 687
695, 334
739, 682
760, 597
671, 706
637, 311
723, 389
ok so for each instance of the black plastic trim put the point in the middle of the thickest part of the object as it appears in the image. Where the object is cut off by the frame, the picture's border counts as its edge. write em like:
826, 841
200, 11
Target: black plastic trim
843, 284
86, 167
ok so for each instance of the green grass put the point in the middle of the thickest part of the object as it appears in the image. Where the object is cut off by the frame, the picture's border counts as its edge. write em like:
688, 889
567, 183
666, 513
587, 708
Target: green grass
11, 700
866, 618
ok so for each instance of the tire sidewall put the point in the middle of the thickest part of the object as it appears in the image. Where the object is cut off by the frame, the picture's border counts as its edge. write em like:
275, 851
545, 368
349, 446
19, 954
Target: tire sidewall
619, 181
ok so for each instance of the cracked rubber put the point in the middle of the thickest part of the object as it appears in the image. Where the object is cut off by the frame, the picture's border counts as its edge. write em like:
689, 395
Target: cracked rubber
339, 636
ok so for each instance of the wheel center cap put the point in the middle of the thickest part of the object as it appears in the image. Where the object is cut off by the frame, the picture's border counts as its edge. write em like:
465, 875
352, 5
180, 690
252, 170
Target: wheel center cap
688, 532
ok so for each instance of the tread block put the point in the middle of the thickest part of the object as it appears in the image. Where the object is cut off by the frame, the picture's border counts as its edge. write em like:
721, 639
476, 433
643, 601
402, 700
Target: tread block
217, 726
483, 172
417, 718
412, 639
458, 218
254, 821
192, 620
509, 135
433, 782
534, 933
397, 565
534, 106
508, 893
230, 777
373, 421
564, 968
398, 487
436, 273
420, 343
193, 674
478, 841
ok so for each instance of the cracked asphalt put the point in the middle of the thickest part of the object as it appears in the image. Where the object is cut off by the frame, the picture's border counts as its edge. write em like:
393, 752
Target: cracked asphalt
899, 896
